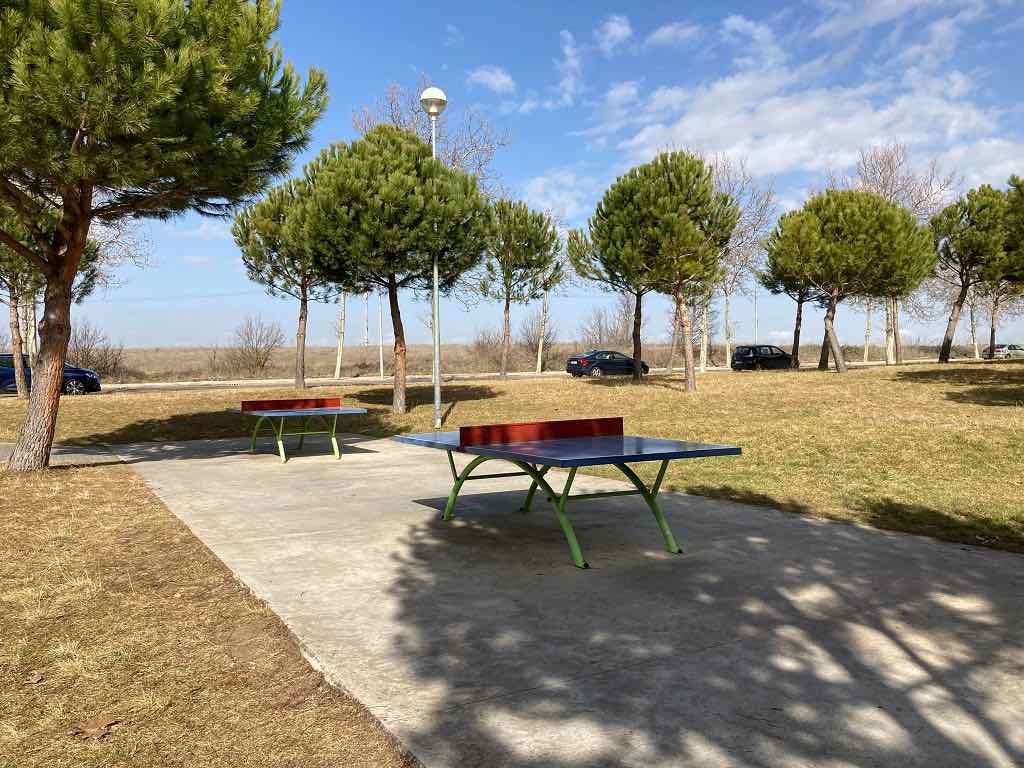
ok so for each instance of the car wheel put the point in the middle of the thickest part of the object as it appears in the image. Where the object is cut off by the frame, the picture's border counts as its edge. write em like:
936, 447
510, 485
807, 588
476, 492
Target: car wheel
74, 387
758, 367
596, 373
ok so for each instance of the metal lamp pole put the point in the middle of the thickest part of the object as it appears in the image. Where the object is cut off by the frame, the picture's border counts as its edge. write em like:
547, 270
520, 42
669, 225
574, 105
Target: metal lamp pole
433, 102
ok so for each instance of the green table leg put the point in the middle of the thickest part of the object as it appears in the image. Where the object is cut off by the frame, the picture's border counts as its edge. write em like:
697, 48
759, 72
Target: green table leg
334, 440
280, 441
460, 480
305, 429
256, 431
527, 504
650, 496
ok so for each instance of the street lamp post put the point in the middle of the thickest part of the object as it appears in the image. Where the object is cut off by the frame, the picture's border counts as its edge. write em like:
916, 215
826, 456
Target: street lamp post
433, 102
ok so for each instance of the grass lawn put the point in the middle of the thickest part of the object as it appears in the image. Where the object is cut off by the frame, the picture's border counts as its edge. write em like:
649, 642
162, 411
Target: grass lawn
125, 642
928, 449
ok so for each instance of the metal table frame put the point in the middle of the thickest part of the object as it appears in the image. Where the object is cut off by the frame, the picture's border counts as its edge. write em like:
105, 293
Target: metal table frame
274, 422
537, 472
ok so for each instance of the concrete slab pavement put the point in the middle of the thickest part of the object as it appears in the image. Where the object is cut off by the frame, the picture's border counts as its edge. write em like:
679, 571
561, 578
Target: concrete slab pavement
775, 641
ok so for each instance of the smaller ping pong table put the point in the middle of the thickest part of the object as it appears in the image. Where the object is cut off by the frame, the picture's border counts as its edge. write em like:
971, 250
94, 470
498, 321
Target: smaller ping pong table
322, 411
537, 447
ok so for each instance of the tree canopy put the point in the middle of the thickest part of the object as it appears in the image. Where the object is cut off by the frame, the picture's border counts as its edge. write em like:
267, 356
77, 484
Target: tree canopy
848, 243
271, 236
659, 227
971, 237
379, 212
522, 261
126, 108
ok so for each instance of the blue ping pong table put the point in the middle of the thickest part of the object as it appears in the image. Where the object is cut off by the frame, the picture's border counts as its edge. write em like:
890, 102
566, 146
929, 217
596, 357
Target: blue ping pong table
536, 448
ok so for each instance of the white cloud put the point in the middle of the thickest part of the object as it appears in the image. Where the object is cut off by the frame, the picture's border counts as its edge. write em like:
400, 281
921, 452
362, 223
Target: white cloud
452, 36
570, 71
676, 33
206, 229
613, 32
850, 16
779, 116
493, 78
985, 161
564, 193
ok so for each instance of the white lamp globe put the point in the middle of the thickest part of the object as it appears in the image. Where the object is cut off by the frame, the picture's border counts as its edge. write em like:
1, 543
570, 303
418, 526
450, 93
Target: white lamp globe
433, 101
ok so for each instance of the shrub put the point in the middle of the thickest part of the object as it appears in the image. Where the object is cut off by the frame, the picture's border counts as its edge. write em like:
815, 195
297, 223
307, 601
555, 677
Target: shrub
529, 336
486, 349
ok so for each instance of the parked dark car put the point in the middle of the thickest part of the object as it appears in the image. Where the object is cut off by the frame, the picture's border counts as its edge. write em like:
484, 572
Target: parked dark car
77, 381
760, 357
602, 363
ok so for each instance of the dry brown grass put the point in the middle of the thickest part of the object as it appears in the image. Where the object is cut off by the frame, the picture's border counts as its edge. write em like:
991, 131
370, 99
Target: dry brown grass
927, 449
125, 642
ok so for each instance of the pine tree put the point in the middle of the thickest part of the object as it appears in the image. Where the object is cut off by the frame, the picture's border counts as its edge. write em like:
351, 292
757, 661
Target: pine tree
659, 227
791, 249
971, 237
522, 249
113, 109
272, 237
381, 209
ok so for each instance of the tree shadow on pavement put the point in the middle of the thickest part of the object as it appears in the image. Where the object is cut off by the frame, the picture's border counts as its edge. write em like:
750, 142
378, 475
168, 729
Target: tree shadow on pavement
775, 641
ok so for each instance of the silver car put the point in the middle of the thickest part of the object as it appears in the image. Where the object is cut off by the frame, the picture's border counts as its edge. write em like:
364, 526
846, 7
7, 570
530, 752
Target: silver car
1004, 352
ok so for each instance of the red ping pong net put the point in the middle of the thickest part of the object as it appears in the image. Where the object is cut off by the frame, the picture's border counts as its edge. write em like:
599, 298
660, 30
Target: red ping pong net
299, 404
490, 434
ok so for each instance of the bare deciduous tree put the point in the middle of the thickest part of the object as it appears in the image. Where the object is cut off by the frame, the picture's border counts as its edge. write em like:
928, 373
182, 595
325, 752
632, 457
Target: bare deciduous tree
255, 341
609, 327
466, 139
537, 336
744, 253
889, 170
89, 347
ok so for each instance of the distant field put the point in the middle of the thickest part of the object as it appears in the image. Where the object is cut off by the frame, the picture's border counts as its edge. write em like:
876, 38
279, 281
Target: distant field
201, 363
928, 449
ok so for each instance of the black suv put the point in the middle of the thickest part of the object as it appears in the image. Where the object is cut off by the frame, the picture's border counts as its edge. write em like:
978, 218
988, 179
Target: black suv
602, 363
760, 357
77, 381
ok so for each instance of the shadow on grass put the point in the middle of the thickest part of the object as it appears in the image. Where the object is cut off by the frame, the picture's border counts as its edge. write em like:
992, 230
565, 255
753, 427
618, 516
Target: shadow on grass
999, 383
420, 395
920, 519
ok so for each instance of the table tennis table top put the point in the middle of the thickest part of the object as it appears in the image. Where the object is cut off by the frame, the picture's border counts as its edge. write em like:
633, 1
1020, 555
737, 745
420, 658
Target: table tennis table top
576, 451
285, 413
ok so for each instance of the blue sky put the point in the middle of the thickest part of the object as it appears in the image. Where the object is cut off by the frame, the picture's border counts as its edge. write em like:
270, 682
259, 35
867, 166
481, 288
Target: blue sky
585, 90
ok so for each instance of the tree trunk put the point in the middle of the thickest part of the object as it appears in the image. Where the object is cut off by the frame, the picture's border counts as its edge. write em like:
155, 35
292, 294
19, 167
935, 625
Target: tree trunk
867, 334
897, 337
637, 344
992, 327
506, 338
830, 335
795, 360
545, 306
972, 308
398, 398
300, 339
17, 345
341, 335
954, 318
823, 358
890, 342
705, 335
32, 449
726, 299
675, 338
687, 332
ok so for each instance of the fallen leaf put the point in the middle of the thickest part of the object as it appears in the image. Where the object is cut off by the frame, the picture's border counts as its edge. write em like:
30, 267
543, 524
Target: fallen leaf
34, 678
95, 727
